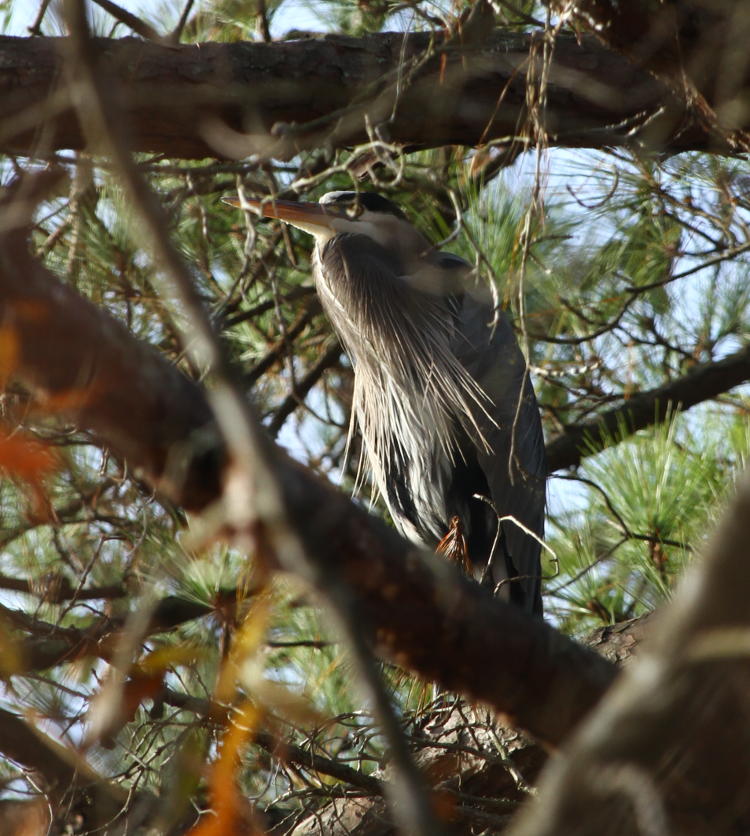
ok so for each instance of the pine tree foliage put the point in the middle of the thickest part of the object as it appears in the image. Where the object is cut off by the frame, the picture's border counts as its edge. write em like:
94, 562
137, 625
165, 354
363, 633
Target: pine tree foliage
623, 272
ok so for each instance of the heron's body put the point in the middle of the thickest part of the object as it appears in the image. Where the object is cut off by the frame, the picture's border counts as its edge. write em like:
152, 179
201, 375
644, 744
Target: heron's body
441, 394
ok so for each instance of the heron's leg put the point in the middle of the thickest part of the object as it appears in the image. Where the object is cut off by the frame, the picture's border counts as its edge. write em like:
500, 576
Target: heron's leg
453, 546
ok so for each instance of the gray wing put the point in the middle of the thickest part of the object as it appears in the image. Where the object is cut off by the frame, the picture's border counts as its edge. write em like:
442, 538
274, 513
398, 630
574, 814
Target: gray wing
514, 465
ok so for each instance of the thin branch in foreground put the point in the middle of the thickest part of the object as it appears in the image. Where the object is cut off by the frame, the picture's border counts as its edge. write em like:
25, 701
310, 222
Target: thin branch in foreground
297, 396
254, 497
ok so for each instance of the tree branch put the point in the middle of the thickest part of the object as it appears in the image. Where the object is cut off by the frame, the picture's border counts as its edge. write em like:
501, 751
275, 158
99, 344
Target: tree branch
694, 47
666, 750
303, 387
50, 644
647, 408
65, 774
276, 99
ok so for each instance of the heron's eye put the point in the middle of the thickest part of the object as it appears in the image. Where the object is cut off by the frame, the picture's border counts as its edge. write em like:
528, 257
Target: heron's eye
354, 210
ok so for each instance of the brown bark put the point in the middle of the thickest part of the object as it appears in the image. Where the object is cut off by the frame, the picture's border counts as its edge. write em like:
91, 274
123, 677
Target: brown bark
696, 47
666, 750
274, 99
483, 788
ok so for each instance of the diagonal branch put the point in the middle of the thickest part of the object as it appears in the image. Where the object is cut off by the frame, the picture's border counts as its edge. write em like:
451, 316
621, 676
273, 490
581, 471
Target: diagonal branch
666, 750
48, 645
65, 774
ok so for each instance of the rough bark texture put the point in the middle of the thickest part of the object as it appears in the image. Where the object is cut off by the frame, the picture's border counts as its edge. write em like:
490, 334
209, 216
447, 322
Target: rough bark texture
666, 752
274, 99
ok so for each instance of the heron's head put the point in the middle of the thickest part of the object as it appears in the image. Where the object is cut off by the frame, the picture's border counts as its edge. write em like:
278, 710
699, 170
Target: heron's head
362, 213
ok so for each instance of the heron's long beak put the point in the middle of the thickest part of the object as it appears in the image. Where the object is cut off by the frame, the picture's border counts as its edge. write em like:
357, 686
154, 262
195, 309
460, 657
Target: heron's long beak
310, 217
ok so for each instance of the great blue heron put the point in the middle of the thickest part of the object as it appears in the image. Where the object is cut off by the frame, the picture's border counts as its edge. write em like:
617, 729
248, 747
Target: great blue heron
442, 396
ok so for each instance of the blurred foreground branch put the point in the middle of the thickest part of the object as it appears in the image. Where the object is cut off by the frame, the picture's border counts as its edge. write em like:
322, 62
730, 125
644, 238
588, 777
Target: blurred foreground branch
666, 750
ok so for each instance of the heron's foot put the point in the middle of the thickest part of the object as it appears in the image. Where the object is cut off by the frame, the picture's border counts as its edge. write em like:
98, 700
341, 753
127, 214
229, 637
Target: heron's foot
453, 546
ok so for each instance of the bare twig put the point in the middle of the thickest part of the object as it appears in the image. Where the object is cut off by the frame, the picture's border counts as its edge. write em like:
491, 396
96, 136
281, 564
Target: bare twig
140, 27
303, 387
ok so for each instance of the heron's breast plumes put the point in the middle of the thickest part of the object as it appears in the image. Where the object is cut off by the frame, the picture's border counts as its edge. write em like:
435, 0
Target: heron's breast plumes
412, 396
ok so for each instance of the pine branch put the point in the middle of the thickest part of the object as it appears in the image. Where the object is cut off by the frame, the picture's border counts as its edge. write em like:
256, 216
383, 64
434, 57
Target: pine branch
48, 645
288, 751
64, 774
648, 408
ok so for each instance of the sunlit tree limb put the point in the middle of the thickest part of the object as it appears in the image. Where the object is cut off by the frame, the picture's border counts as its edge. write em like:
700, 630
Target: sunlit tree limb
238, 99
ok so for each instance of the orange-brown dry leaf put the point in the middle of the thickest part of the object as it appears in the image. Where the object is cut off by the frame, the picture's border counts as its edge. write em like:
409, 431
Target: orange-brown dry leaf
25, 818
230, 814
157, 661
139, 687
9, 353
23, 457
247, 642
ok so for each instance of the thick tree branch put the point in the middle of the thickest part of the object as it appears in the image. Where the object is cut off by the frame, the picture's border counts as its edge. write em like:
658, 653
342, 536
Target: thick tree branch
666, 750
275, 99
647, 408
696, 47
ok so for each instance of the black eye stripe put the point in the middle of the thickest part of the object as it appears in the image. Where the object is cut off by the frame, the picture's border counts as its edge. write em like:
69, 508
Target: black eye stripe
369, 200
